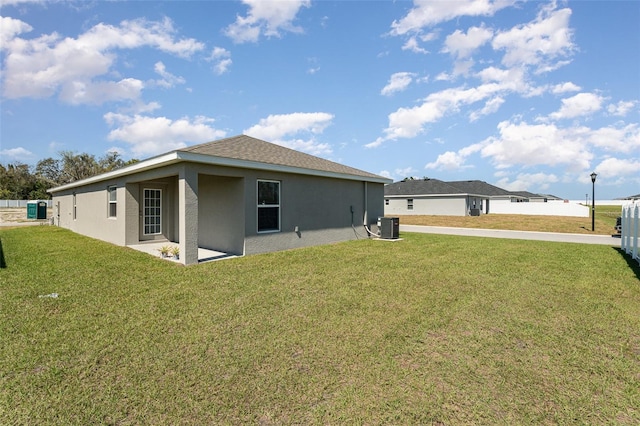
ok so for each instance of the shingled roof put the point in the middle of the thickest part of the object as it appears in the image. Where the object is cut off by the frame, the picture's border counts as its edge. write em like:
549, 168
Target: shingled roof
247, 148
245, 152
479, 187
420, 187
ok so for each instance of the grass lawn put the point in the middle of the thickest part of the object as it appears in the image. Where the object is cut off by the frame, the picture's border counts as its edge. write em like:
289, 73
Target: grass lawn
604, 222
434, 329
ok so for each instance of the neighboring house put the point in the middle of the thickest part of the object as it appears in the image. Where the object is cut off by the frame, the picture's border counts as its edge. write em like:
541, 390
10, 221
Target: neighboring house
432, 197
631, 198
470, 197
238, 195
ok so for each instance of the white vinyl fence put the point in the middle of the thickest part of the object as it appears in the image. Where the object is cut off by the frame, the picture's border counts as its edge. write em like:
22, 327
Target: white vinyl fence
630, 229
20, 203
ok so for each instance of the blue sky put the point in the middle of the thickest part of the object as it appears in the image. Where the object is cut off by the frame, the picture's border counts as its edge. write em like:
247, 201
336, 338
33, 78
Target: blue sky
524, 95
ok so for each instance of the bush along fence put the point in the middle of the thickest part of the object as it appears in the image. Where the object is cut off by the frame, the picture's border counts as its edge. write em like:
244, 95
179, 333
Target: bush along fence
630, 229
21, 203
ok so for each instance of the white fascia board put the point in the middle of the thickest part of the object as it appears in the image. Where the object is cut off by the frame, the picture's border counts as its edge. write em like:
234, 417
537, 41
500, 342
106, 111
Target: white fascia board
256, 165
152, 163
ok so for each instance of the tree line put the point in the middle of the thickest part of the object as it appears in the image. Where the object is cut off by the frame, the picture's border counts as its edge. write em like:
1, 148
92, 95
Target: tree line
20, 181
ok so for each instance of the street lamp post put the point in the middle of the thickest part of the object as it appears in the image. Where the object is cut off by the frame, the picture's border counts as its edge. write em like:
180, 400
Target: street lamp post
593, 201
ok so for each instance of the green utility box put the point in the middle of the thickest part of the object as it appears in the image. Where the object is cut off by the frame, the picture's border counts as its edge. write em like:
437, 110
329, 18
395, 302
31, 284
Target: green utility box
37, 210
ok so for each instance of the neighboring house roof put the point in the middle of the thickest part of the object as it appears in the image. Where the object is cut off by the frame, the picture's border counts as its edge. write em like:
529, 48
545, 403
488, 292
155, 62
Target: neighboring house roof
244, 152
550, 197
480, 187
631, 197
422, 187
467, 187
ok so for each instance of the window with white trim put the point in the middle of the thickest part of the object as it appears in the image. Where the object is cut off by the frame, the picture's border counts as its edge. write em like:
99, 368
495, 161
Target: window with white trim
113, 200
268, 205
75, 210
410, 204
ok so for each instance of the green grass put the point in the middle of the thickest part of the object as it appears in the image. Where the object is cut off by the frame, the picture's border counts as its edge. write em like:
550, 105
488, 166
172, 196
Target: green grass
433, 329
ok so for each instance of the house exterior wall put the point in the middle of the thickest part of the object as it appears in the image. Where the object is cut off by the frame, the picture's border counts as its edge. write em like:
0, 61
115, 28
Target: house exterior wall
92, 206
324, 210
216, 207
221, 212
447, 206
92, 212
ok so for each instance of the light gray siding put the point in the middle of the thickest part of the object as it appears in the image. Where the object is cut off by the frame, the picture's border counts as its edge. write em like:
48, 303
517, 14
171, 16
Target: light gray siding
435, 205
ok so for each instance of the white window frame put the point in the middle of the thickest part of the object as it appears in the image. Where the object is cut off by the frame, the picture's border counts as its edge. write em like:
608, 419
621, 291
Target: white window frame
112, 201
74, 207
145, 215
259, 206
409, 203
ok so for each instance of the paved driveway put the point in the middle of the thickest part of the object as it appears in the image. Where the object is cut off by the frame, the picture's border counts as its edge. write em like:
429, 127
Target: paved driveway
517, 235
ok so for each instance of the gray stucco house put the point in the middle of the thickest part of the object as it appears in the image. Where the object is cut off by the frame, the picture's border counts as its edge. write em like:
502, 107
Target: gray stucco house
238, 195
432, 197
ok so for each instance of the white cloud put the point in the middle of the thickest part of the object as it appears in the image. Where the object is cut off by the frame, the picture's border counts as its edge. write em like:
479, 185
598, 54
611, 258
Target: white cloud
266, 17
622, 108
541, 144
426, 13
49, 64
16, 154
621, 138
454, 160
539, 42
405, 172
412, 45
528, 181
98, 92
410, 122
154, 135
614, 167
491, 106
397, 83
565, 87
221, 58
9, 29
386, 173
16, 2
283, 128
448, 161
168, 80
462, 45
579, 105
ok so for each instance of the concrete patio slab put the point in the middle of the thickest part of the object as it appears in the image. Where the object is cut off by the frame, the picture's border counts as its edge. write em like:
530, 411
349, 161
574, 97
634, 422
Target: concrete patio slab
204, 254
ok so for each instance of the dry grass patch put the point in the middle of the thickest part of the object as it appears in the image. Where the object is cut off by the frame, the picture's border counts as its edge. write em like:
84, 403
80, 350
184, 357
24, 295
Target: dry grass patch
604, 223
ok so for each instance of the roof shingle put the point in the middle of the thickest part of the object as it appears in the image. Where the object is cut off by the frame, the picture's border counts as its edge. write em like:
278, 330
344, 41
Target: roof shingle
247, 148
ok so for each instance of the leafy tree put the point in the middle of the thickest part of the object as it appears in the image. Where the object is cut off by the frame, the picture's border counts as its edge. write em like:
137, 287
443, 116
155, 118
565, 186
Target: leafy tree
49, 170
77, 166
16, 181
19, 182
111, 161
